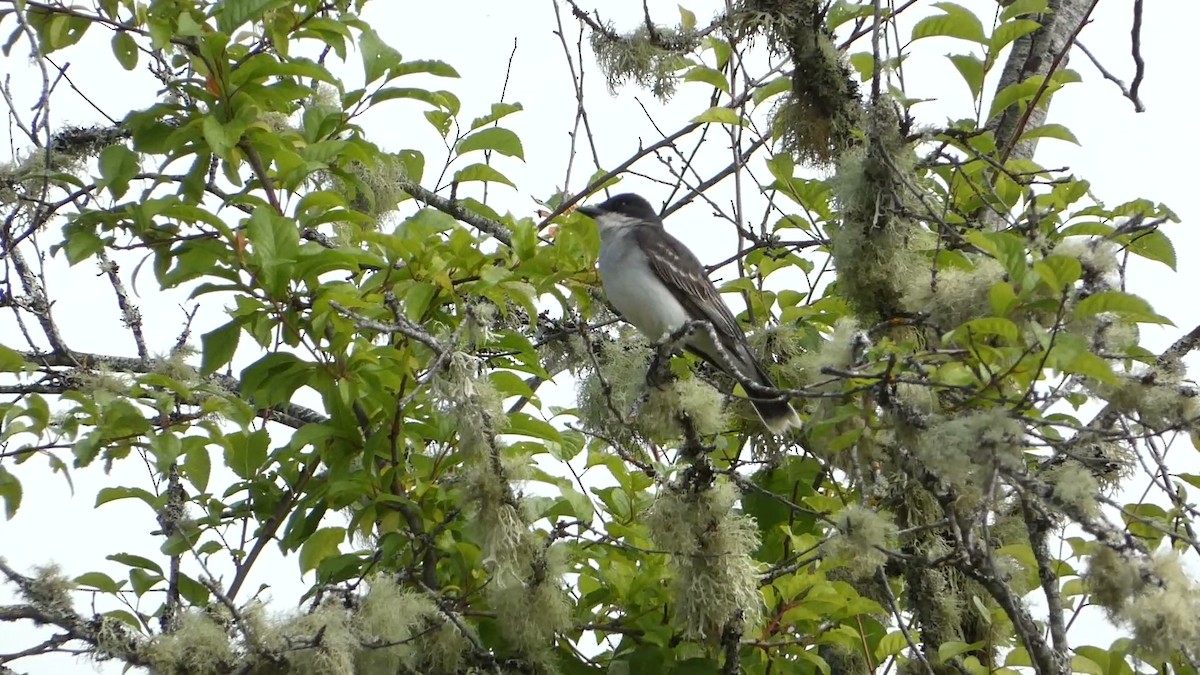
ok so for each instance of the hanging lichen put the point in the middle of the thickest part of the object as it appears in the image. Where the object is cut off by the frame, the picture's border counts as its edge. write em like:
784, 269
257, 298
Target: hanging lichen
822, 116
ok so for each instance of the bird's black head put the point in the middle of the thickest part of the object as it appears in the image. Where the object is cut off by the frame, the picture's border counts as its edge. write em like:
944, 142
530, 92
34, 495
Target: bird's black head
628, 205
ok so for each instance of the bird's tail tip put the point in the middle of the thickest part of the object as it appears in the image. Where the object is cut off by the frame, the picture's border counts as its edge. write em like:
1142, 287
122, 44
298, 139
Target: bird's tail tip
777, 416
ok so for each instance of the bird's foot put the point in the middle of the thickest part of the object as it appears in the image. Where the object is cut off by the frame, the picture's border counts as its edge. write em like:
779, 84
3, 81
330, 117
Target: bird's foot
659, 375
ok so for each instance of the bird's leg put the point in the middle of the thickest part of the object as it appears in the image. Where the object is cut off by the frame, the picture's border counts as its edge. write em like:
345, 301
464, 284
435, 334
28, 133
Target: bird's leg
659, 373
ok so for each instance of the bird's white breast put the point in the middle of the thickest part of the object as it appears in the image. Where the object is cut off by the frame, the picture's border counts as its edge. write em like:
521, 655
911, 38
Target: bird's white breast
633, 288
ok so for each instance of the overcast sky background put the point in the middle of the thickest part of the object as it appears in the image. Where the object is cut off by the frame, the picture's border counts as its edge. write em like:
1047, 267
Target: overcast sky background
1125, 156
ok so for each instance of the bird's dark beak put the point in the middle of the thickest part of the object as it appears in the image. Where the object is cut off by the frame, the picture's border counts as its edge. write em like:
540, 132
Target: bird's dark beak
589, 211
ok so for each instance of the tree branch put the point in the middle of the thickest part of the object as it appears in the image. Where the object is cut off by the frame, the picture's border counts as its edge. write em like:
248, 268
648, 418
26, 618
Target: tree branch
287, 414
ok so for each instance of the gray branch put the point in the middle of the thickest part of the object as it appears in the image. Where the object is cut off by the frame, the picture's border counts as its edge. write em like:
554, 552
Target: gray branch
287, 414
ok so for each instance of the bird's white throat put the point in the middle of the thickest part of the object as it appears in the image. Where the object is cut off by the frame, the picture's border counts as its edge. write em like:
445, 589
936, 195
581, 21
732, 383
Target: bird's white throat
609, 223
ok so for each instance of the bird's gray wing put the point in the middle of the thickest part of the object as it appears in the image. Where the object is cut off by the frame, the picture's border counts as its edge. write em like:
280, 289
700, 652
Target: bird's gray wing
683, 274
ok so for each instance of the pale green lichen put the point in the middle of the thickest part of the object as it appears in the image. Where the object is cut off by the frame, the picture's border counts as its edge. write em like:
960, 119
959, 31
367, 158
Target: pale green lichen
378, 192
838, 351
919, 398
1074, 485
964, 449
1112, 579
955, 295
470, 401
524, 575
860, 535
874, 248
520, 567
711, 547
336, 650
1155, 598
1098, 258
623, 368
652, 61
532, 612
199, 646
1114, 336
387, 619
1159, 397
49, 589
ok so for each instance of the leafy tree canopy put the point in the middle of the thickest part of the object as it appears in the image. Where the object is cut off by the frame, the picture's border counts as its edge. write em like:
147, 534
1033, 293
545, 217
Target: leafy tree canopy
951, 317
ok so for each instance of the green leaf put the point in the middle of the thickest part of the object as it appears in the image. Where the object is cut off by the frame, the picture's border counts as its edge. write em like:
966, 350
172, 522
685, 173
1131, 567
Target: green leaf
498, 139
1002, 298
481, 172
1189, 478
773, 88
528, 425
1082, 664
118, 165
432, 67
718, 115
197, 465
11, 360
1153, 245
276, 247
110, 494
1009, 31
710, 76
61, 31
782, 167
125, 49
892, 644
1087, 229
972, 70
320, 545
987, 326
1088, 364
413, 162
233, 13
440, 120
441, 99
275, 377
1124, 305
1056, 131
416, 301
99, 581
1022, 7
425, 224
956, 22
697, 665
10, 492
377, 57
1018, 658
126, 617
218, 139
142, 581
193, 591
135, 561
246, 453
508, 383
721, 50
499, 111
950, 649
1059, 271
218, 347
1024, 92
687, 18
864, 64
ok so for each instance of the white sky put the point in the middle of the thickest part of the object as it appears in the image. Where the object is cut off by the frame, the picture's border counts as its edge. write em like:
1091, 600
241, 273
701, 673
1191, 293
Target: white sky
1125, 156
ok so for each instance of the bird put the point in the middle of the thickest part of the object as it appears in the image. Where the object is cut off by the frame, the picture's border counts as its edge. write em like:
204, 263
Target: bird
657, 284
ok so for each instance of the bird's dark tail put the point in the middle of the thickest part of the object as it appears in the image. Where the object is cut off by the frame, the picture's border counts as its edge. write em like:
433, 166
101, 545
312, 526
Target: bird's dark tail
775, 412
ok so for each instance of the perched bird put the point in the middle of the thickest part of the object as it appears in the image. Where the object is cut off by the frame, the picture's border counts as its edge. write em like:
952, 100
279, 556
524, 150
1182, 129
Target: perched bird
658, 285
